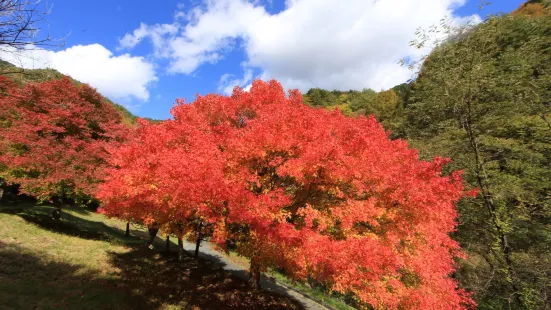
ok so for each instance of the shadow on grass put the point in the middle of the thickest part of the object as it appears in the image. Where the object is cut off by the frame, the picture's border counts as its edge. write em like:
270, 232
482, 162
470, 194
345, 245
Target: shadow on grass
160, 279
215, 260
147, 280
69, 224
267, 283
31, 280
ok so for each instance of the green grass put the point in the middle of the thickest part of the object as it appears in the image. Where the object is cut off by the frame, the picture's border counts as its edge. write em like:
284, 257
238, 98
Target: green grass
84, 261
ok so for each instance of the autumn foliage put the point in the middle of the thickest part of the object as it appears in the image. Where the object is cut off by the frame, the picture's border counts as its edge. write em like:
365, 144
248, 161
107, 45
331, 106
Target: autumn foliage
533, 8
170, 174
318, 194
54, 137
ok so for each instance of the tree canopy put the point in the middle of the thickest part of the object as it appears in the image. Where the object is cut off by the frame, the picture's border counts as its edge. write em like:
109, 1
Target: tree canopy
54, 137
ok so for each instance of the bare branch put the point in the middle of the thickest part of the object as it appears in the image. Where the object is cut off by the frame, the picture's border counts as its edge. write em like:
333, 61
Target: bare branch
21, 22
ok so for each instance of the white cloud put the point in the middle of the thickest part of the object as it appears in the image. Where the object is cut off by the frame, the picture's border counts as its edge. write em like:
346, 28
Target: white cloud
156, 33
312, 43
117, 77
229, 81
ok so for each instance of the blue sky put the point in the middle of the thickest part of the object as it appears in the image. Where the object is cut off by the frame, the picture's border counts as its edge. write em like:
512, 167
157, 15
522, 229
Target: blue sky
144, 54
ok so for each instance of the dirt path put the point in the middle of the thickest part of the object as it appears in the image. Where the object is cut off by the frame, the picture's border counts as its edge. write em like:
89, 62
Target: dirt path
206, 251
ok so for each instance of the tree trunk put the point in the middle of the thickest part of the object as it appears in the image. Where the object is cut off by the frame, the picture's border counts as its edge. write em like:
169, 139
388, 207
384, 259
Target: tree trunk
167, 243
254, 274
56, 214
57, 203
180, 249
2, 188
153, 229
127, 233
198, 242
481, 176
197, 245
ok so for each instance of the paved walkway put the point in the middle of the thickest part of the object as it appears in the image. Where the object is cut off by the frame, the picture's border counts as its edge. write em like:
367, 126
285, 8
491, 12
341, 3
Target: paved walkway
206, 251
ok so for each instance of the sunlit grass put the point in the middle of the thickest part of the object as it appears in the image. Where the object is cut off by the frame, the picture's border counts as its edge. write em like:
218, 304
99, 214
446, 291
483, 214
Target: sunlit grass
43, 268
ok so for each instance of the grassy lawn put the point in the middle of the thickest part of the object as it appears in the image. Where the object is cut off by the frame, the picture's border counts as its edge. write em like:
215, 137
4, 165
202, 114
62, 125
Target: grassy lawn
85, 262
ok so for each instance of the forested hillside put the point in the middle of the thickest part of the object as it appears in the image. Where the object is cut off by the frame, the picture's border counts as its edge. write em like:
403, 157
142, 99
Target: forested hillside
483, 99
386, 105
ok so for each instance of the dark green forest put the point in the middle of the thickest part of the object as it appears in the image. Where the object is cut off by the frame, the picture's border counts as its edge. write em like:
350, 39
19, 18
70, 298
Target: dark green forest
483, 99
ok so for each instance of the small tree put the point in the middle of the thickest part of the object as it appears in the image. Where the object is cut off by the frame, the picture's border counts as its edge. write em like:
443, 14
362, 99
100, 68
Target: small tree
384, 105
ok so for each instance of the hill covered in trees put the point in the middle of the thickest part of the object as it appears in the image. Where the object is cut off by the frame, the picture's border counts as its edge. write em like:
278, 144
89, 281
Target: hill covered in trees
483, 98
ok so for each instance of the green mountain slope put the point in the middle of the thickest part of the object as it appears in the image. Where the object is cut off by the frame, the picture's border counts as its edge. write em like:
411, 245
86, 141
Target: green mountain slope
484, 100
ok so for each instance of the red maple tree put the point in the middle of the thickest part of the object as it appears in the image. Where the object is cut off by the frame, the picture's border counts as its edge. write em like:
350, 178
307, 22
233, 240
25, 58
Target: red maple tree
54, 138
320, 195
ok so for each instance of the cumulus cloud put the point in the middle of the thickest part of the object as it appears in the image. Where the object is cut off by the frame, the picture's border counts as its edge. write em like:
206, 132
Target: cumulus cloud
156, 33
228, 81
117, 77
311, 43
